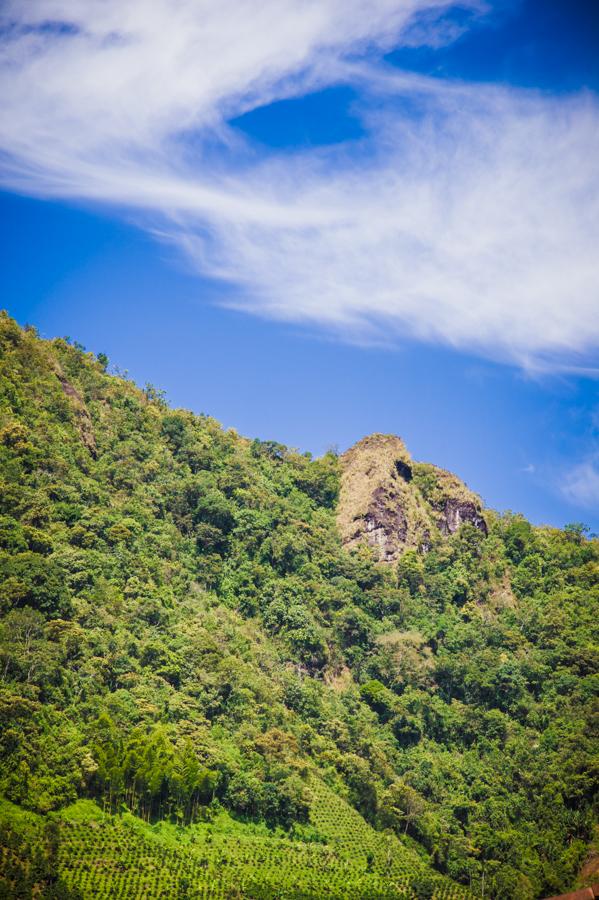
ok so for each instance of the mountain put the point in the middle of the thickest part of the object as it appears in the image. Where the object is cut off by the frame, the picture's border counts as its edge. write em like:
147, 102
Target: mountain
232, 670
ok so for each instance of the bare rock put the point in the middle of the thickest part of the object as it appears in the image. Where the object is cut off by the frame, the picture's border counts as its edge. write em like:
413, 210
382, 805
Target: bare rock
377, 503
451, 502
393, 503
457, 512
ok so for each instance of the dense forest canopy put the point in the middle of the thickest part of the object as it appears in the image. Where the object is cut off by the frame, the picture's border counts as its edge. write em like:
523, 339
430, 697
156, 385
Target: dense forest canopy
189, 650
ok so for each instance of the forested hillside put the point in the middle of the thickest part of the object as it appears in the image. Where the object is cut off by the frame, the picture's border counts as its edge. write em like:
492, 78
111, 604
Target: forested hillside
213, 687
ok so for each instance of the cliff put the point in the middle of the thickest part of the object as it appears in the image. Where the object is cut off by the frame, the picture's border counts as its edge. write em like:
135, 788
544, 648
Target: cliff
395, 503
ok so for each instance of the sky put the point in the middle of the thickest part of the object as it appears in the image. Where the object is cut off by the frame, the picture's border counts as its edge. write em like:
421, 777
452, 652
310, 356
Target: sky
316, 219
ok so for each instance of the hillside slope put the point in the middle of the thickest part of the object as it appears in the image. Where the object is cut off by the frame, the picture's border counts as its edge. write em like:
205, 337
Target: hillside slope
226, 673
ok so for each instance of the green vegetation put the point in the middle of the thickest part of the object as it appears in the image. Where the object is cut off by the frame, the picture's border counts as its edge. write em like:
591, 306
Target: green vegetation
120, 856
204, 695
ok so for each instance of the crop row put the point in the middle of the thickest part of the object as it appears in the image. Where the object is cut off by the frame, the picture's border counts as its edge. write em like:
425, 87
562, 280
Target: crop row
102, 868
112, 859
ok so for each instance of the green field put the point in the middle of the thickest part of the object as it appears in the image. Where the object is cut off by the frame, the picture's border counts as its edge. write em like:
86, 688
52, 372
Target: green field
108, 856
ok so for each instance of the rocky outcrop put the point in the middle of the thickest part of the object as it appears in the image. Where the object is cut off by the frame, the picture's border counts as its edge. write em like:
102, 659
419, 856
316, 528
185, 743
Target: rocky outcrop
386, 524
393, 503
378, 503
456, 512
451, 502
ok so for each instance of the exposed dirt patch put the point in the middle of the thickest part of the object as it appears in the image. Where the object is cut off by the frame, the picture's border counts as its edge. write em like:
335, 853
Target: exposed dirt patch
339, 681
82, 416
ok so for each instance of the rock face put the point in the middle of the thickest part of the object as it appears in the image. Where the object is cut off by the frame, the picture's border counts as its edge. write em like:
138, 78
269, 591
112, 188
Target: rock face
394, 503
456, 512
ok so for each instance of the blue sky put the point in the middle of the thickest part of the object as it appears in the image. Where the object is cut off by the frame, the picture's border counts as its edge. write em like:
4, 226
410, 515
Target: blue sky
359, 225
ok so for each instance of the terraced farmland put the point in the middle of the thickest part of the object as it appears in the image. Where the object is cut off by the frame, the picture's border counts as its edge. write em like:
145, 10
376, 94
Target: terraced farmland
102, 856
110, 857
394, 866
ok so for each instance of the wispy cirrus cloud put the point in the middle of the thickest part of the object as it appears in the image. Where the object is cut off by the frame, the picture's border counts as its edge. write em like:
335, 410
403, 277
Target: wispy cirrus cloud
581, 484
467, 215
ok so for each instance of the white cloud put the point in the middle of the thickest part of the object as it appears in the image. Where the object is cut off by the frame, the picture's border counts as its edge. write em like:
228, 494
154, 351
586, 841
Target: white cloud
469, 215
581, 485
